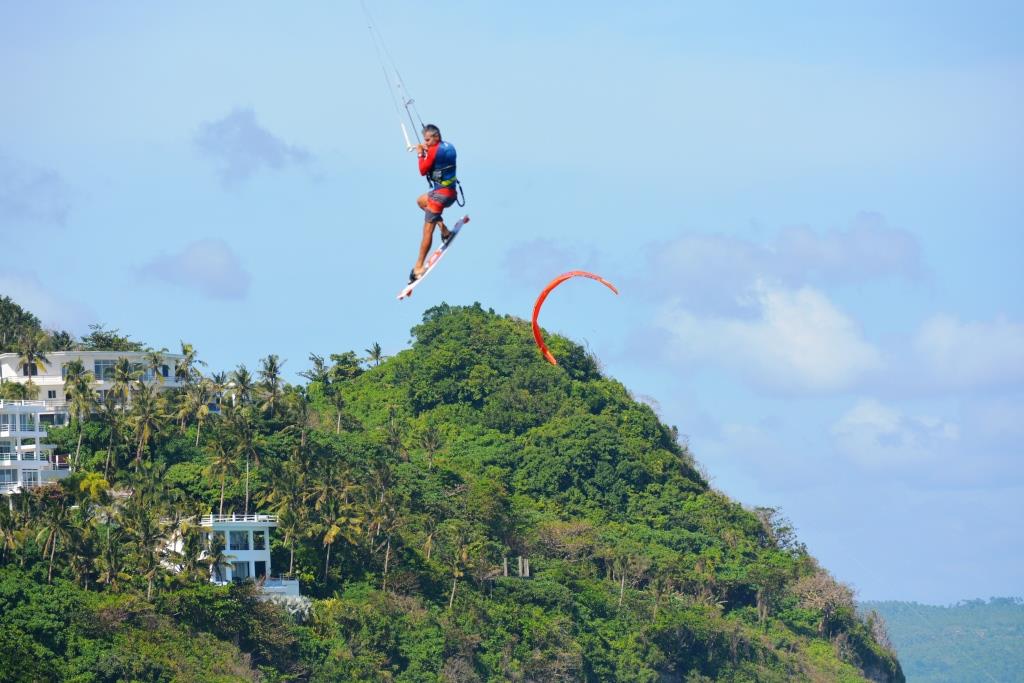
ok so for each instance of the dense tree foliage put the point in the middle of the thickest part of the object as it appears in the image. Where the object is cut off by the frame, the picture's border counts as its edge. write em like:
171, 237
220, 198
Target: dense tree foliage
976, 640
460, 511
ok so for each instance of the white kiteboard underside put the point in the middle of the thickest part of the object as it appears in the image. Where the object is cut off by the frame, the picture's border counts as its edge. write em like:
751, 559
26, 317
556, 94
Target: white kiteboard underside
434, 259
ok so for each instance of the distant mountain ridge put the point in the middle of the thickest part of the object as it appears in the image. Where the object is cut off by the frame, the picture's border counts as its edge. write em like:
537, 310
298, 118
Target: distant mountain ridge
974, 640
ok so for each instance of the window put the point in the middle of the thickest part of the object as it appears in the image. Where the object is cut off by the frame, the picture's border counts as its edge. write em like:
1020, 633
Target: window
104, 369
8, 477
30, 477
6, 449
29, 370
165, 370
6, 421
261, 569
259, 540
240, 570
239, 540
25, 423
51, 393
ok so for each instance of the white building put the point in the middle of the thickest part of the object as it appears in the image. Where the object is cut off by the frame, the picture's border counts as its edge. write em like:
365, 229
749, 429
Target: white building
50, 381
247, 549
26, 460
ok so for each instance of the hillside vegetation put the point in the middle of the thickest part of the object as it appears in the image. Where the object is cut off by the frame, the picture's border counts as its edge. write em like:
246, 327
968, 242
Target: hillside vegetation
462, 511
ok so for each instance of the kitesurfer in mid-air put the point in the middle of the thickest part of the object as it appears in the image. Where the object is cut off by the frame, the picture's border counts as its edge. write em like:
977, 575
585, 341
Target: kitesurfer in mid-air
437, 162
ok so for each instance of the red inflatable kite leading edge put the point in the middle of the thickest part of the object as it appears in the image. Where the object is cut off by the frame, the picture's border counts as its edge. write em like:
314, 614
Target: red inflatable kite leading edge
544, 295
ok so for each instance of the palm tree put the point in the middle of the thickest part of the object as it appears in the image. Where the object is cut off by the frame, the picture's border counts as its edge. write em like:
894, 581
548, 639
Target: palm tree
215, 556
197, 398
431, 442
184, 370
319, 372
55, 528
299, 414
284, 498
341, 521
155, 364
9, 526
108, 411
123, 382
81, 396
223, 463
241, 384
33, 355
110, 562
292, 523
244, 434
375, 354
332, 491
270, 382
148, 537
147, 417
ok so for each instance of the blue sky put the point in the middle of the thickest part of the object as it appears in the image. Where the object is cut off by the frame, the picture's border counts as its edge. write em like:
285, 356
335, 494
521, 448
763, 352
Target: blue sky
814, 216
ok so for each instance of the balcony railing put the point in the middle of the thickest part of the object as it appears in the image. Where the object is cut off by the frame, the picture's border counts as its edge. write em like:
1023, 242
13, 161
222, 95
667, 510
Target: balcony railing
209, 520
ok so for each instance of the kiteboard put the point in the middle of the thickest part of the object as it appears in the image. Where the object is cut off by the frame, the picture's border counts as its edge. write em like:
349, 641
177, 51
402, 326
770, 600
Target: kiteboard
434, 259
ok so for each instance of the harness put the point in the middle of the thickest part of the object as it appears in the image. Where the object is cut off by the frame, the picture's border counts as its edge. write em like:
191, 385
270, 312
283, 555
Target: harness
443, 173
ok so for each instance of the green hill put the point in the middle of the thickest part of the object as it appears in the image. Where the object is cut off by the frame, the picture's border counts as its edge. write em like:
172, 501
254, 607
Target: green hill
971, 641
463, 511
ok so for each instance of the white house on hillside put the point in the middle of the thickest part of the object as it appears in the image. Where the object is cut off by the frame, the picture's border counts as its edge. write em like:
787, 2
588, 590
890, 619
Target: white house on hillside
26, 460
247, 548
101, 363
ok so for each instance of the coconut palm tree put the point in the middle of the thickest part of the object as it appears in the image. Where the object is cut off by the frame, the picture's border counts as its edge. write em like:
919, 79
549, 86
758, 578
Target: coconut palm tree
244, 435
111, 417
154, 363
270, 383
299, 414
147, 417
241, 385
196, 404
123, 382
332, 493
147, 535
319, 372
223, 463
55, 528
284, 498
81, 397
375, 354
9, 526
32, 357
185, 371
215, 556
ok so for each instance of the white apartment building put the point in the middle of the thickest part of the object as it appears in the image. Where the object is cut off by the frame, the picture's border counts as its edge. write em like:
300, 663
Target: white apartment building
101, 363
26, 460
247, 548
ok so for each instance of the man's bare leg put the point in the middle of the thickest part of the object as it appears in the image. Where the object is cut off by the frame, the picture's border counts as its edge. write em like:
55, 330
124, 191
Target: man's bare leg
428, 236
428, 239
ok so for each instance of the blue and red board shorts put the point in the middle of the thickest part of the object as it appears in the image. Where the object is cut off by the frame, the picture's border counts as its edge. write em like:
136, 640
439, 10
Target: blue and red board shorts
438, 199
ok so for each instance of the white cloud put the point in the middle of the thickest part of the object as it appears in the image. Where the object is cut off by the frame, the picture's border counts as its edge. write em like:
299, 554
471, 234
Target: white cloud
877, 435
209, 266
243, 146
709, 272
964, 355
53, 310
792, 341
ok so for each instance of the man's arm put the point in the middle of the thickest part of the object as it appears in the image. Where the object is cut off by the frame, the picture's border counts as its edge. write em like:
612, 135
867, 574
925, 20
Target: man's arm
427, 159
